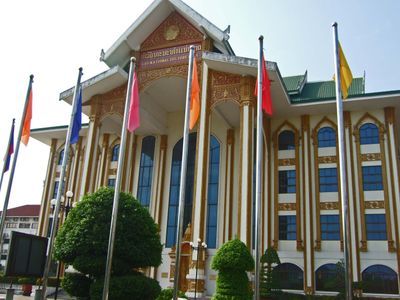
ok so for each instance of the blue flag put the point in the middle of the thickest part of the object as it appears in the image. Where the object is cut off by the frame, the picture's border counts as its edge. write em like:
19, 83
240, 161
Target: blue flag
77, 124
10, 151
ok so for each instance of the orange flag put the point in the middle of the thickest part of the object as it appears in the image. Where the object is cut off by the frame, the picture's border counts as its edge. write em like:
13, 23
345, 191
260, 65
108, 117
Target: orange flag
26, 129
195, 97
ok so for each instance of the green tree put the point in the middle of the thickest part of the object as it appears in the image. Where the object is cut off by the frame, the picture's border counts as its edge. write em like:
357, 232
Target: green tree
232, 261
82, 242
268, 284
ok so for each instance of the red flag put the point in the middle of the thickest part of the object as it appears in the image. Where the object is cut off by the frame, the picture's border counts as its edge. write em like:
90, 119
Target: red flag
133, 119
26, 129
195, 97
266, 90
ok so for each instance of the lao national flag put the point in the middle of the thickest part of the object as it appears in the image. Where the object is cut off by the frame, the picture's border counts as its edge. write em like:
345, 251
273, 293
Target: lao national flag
7, 158
77, 124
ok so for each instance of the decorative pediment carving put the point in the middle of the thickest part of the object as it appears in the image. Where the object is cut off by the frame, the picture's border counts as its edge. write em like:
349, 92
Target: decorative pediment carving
175, 30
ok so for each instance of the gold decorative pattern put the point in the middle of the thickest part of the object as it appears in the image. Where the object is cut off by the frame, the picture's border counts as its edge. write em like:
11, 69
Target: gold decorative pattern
287, 206
374, 204
329, 205
175, 30
224, 86
286, 162
146, 77
370, 156
327, 159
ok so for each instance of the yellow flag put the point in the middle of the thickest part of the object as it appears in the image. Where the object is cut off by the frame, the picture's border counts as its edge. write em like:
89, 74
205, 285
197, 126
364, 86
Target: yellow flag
345, 73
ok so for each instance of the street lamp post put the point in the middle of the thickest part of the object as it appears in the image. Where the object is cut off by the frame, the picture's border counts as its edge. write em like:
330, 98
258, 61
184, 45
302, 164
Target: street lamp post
200, 246
64, 207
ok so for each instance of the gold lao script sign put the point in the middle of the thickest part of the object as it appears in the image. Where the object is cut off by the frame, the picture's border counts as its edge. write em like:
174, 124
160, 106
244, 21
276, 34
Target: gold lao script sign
166, 57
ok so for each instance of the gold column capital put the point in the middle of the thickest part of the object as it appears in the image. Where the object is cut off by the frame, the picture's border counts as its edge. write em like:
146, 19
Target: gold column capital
164, 142
389, 115
305, 122
247, 84
347, 119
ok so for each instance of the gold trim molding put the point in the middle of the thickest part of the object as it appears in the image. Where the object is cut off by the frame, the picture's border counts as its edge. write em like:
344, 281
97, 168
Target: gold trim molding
287, 206
328, 205
374, 204
287, 162
327, 160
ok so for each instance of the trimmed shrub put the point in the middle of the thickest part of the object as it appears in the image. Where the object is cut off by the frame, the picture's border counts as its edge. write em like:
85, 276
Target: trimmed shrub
76, 284
133, 287
82, 242
232, 261
167, 294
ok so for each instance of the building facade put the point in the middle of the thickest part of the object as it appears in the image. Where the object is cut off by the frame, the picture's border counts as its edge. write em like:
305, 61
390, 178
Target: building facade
301, 205
24, 219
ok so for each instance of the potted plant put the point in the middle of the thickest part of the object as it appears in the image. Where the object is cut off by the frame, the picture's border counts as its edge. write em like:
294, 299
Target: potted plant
26, 285
39, 291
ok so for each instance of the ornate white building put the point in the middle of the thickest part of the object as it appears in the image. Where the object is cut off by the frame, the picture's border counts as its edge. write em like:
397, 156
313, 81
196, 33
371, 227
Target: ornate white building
301, 206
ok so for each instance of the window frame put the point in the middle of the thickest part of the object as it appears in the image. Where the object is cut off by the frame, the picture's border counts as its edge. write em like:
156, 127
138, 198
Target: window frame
326, 184
326, 137
286, 234
287, 183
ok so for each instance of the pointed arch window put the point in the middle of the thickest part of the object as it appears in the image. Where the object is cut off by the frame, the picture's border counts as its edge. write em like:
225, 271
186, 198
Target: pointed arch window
115, 153
326, 137
146, 170
172, 220
212, 193
286, 140
369, 134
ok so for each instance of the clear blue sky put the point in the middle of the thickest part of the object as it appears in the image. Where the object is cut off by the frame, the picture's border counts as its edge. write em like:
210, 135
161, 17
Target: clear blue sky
52, 39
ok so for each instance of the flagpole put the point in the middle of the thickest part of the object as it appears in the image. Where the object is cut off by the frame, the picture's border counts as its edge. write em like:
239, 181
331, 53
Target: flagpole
117, 187
181, 206
10, 180
342, 166
3, 215
259, 158
61, 185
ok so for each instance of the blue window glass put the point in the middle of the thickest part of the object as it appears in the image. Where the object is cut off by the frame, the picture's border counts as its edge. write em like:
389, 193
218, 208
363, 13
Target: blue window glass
287, 182
146, 170
286, 140
115, 153
326, 278
60, 157
174, 189
49, 227
328, 181
287, 228
380, 279
55, 189
212, 194
56, 183
326, 137
376, 227
372, 178
288, 276
330, 227
369, 134
111, 182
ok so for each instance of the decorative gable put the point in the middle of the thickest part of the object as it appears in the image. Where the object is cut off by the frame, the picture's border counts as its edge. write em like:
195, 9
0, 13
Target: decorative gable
175, 30
169, 44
